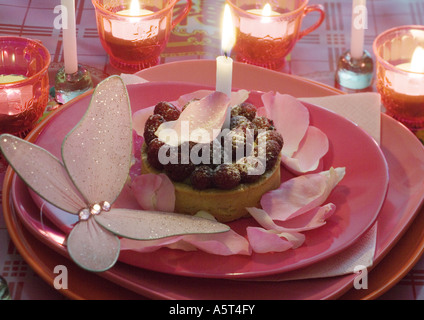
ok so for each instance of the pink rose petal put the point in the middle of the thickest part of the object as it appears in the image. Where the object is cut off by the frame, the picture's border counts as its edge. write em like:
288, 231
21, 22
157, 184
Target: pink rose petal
207, 115
266, 241
312, 219
154, 192
311, 150
291, 119
237, 97
227, 243
139, 119
301, 194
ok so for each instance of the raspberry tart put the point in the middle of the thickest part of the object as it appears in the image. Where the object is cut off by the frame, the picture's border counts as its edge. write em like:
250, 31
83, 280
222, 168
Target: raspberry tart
235, 177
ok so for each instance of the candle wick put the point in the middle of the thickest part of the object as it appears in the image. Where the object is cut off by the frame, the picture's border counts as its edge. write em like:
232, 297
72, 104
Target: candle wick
225, 54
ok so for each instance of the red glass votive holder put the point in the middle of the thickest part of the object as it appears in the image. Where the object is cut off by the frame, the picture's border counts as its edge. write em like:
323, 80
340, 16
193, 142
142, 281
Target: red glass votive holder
24, 87
400, 74
267, 31
135, 38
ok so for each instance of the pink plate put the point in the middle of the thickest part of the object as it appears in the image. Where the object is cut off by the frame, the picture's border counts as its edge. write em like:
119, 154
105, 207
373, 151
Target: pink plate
405, 158
358, 197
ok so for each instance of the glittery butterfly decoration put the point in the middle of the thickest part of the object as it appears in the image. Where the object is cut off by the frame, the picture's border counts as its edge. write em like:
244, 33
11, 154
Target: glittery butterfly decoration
96, 158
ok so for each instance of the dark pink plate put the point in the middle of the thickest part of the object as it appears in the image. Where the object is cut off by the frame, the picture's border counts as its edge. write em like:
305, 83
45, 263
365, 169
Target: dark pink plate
358, 197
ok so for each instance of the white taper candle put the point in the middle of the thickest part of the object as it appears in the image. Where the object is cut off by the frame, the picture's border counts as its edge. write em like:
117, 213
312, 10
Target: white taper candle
70, 55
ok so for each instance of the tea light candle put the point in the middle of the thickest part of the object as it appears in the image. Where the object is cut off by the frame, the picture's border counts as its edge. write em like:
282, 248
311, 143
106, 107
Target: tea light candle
413, 85
132, 30
135, 10
262, 29
359, 24
10, 78
69, 38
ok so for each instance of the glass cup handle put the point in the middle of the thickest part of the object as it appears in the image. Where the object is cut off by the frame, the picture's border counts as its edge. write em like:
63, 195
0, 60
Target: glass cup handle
318, 8
183, 14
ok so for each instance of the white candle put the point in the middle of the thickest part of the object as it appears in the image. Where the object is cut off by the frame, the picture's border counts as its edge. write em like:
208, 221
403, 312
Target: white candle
70, 38
224, 64
359, 24
224, 74
264, 28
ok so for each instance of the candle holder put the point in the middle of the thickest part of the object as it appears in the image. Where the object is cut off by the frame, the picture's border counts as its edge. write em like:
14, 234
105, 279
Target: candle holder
266, 34
400, 74
135, 38
353, 75
69, 86
24, 92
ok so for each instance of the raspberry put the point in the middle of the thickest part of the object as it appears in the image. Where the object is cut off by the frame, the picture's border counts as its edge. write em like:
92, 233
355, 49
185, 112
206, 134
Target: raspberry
167, 110
152, 124
153, 152
242, 139
250, 168
271, 153
271, 135
178, 172
226, 176
245, 109
202, 177
238, 120
263, 123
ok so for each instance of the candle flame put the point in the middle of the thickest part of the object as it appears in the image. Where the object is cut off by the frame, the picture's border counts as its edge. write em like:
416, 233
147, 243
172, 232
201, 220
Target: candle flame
134, 8
228, 36
266, 11
417, 62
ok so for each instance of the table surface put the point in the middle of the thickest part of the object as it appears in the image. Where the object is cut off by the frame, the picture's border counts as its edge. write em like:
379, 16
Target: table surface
197, 37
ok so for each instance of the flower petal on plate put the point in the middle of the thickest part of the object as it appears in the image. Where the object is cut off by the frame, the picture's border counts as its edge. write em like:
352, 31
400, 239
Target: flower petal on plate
201, 121
139, 119
154, 192
237, 97
290, 117
97, 153
312, 148
225, 244
312, 219
148, 225
266, 241
92, 247
42, 172
301, 194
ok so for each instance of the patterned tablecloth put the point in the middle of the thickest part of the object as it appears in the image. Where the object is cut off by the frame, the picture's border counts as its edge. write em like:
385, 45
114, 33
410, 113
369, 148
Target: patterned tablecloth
197, 37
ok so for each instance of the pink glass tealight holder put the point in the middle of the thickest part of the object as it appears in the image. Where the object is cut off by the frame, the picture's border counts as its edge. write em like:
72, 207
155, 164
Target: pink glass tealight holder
267, 31
134, 33
400, 74
24, 84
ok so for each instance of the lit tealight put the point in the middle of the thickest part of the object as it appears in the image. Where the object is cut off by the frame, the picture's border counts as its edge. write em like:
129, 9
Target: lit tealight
135, 10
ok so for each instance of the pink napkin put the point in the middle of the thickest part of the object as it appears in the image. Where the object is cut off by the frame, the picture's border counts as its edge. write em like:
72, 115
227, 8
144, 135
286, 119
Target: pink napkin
364, 109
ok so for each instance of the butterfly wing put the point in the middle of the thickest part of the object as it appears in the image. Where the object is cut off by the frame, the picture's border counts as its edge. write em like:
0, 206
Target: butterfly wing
97, 152
42, 172
149, 225
92, 247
